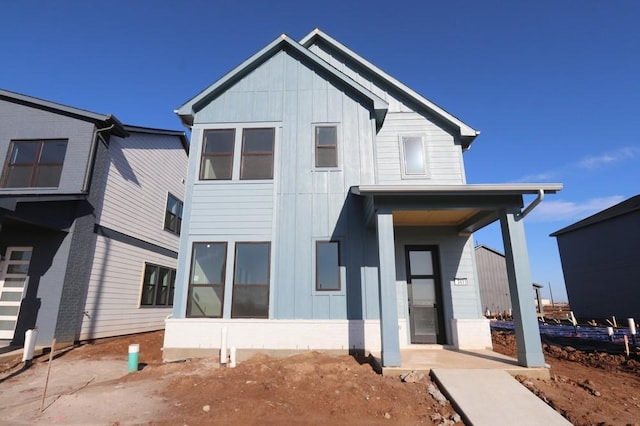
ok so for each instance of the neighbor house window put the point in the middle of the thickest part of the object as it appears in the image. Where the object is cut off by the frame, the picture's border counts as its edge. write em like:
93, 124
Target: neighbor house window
158, 285
217, 154
251, 281
173, 215
257, 153
206, 280
326, 146
327, 266
34, 163
413, 155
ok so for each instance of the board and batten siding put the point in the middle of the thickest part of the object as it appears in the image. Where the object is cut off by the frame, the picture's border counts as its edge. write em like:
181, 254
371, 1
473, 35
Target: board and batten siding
302, 204
21, 122
113, 300
443, 154
144, 169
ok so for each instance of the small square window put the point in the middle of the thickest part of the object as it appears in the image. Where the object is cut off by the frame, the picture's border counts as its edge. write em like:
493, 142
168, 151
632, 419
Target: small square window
217, 154
326, 140
327, 266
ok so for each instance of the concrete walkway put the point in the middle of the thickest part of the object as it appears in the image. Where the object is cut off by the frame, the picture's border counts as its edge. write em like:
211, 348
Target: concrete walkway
493, 397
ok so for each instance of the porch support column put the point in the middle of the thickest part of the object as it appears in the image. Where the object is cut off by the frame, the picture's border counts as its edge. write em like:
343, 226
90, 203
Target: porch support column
525, 320
387, 290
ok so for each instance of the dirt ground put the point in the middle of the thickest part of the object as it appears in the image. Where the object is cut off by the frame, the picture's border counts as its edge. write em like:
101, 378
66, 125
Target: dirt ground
89, 384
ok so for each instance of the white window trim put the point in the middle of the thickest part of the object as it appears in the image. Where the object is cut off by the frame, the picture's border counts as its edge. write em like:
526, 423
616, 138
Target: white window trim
425, 157
339, 139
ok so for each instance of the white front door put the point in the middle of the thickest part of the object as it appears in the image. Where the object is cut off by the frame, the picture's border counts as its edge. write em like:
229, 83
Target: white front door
13, 280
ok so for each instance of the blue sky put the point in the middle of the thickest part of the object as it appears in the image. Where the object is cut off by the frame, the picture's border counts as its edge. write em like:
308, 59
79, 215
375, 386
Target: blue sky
554, 86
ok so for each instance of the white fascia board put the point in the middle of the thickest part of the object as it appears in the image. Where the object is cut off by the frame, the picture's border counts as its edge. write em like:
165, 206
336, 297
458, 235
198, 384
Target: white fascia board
465, 130
187, 110
498, 189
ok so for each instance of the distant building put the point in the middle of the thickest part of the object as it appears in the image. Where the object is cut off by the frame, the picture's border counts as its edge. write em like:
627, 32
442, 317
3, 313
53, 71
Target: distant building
494, 283
599, 257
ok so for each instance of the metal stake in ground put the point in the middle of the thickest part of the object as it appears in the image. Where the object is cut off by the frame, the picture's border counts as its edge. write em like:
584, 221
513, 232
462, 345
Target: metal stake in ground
46, 383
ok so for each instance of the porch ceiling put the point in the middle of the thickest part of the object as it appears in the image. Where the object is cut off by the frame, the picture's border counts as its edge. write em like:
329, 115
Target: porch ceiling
431, 217
466, 207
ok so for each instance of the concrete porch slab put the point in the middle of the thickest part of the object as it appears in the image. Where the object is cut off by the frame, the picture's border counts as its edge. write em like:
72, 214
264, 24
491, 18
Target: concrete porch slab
425, 358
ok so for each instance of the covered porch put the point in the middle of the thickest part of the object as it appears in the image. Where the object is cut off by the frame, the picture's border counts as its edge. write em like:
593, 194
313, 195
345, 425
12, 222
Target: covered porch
462, 210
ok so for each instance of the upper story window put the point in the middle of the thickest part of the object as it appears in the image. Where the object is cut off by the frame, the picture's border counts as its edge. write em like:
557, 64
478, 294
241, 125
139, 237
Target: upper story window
173, 215
223, 159
257, 153
217, 154
34, 163
413, 158
326, 142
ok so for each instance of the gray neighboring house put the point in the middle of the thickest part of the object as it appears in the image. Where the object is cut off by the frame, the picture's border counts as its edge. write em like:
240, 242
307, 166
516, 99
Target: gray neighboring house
600, 263
327, 208
493, 281
90, 213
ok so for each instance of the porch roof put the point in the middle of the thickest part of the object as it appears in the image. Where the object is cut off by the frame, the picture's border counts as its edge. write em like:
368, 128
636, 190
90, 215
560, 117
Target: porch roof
465, 207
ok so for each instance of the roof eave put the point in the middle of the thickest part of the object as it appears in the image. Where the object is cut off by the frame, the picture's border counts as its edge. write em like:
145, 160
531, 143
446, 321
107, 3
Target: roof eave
187, 111
486, 189
467, 133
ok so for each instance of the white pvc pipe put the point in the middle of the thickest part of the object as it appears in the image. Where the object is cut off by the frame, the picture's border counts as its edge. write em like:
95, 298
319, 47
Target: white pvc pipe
632, 326
610, 332
232, 357
223, 347
30, 337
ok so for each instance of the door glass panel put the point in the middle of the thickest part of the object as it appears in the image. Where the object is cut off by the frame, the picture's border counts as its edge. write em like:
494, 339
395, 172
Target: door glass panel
421, 263
423, 292
20, 255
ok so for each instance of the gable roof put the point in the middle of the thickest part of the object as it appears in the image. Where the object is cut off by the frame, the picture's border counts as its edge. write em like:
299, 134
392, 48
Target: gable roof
489, 249
627, 206
284, 42
100, 120
467, 133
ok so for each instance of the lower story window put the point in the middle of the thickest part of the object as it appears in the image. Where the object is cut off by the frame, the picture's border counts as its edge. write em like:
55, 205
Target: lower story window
327, 266
206, 280
251, 280
158, 285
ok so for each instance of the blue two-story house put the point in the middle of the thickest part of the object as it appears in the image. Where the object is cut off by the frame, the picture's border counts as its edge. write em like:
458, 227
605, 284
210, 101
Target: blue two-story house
327, 208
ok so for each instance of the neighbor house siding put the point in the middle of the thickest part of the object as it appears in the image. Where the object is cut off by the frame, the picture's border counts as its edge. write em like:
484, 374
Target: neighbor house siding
113, 300
492, 276
21, 122
143, 170
600, 266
